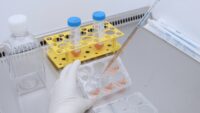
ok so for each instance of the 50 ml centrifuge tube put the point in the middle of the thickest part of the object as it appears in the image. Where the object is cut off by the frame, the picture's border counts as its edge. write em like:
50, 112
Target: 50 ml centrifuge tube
99, 17
74, 23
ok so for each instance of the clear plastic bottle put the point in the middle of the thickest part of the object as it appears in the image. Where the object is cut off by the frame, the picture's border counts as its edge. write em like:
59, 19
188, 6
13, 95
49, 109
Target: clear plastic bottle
25, 57
74, 23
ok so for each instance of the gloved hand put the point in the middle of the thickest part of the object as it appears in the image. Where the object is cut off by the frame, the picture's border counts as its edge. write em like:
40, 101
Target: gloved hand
65, 97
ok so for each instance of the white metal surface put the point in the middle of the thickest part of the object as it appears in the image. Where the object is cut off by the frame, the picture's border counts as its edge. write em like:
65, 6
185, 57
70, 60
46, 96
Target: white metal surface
182, 15
174, 38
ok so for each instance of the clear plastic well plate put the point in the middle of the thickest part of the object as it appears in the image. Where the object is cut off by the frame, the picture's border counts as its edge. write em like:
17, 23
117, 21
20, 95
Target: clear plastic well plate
95, 84
135, 103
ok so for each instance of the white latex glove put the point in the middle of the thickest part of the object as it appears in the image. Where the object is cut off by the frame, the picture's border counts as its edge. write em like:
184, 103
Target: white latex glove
65, 97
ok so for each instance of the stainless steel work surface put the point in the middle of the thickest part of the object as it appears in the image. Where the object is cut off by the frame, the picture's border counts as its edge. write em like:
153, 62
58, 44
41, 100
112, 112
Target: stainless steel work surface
166, 76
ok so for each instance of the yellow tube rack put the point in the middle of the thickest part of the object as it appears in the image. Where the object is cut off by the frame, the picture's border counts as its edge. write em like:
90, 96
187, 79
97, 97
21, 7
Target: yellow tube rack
61, 51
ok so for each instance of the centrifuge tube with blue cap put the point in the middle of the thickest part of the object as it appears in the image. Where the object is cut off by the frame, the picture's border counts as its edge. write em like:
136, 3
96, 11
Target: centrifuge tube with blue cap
74, 23
99, 17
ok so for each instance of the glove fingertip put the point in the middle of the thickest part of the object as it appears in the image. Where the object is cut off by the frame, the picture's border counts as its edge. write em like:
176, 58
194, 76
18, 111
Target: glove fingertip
65, 71
74, 67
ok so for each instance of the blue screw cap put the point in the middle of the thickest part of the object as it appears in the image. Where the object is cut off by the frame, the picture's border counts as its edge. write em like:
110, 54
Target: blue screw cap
74, 21
99, 15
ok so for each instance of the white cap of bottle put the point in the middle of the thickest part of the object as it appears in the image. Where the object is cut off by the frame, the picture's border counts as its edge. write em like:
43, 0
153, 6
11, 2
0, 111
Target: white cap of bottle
18, 25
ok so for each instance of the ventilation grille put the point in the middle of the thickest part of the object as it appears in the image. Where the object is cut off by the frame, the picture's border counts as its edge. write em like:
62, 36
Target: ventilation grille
43, 43
2, 54
127, 20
